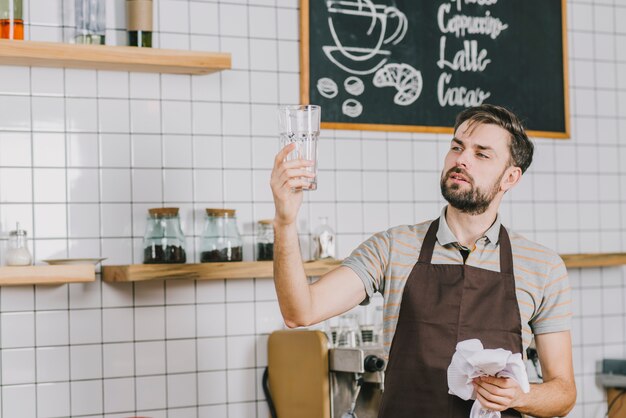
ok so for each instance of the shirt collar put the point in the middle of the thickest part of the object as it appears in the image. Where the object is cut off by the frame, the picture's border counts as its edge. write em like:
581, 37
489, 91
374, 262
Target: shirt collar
445, 235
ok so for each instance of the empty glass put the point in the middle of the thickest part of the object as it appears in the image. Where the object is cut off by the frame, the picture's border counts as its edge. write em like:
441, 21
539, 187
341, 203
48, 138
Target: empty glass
301, 125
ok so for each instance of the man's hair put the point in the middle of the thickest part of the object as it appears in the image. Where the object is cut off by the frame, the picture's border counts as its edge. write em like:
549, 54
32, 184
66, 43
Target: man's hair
520, 146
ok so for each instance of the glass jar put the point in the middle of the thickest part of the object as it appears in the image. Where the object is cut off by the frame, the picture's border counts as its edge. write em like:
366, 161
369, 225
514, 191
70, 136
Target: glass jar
348, 333
90, 21
17, 251
221, 240
164, 241
265, 240
11, 21
324, 240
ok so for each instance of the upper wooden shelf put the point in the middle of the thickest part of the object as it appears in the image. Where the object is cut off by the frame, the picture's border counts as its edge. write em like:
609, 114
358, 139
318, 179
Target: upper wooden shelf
206, 271
264, 269
116, 58
29, 275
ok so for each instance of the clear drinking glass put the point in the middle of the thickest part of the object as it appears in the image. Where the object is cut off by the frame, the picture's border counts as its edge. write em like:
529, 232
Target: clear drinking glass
301, 124
90, 21
348, 334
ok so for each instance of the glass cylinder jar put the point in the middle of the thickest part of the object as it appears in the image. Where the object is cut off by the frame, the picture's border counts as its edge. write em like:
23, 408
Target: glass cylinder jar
11, 20
221, 240
164, 241
324, 240
265, 240
17, 251
348, 334
90, 21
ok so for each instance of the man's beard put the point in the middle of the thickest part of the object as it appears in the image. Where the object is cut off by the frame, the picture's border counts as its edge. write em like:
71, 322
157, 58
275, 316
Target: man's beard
472, 201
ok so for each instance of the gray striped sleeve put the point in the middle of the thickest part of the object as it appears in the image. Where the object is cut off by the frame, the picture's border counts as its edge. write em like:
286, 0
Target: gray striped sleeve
555, 309
369, 261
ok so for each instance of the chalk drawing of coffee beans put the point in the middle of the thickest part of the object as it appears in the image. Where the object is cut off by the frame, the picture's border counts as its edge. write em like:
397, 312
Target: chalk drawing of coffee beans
354, 86
352, 108
327, 87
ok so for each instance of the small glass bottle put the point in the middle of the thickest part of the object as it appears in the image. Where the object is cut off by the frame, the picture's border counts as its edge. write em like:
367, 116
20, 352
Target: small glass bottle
90, 21
11, 20
17, 252
221, 241
164, 241
349, 333
139, 23
324, 240
265, 240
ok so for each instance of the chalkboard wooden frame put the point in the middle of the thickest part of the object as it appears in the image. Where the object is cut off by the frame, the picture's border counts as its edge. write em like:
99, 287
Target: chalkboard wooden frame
305, 87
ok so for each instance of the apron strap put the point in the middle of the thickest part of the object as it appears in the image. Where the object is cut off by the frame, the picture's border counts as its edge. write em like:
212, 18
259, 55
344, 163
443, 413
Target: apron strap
506, 256
426, 253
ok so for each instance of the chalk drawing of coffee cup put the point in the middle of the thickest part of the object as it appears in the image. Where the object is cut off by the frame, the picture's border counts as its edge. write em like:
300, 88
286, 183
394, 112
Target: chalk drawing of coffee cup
360, 30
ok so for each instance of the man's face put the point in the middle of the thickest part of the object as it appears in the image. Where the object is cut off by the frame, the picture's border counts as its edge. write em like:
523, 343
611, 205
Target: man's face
474, 167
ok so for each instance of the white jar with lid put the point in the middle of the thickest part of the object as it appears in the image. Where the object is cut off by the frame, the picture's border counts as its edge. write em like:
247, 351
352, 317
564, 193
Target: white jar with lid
17, 252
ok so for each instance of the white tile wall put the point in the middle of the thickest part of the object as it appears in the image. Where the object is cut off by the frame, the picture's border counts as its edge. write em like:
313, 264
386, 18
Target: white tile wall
84, 154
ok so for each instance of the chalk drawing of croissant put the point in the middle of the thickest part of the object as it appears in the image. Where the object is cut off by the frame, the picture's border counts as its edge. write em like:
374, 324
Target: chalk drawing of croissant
406, 79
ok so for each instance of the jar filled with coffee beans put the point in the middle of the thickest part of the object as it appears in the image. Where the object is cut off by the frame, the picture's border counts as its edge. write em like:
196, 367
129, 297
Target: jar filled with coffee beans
221, 241
164, 241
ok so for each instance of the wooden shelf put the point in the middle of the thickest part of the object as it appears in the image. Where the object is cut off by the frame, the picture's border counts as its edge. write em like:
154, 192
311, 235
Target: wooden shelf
52, 275
594, 260
206, 271
264, 269
117, 58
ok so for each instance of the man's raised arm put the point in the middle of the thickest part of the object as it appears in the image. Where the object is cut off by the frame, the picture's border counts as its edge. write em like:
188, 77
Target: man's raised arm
302, 304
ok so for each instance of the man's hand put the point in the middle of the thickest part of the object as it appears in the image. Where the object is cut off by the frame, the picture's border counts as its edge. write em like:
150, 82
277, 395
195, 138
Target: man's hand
497, 393
287, 176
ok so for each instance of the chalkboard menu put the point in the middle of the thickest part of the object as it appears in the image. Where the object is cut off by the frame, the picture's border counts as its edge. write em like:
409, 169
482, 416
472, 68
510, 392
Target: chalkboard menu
413, 65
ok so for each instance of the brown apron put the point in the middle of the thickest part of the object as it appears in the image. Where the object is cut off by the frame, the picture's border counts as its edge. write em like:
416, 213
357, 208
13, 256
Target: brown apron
441, 305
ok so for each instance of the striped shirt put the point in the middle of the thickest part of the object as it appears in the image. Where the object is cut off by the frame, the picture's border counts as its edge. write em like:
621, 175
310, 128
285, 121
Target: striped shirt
384, 262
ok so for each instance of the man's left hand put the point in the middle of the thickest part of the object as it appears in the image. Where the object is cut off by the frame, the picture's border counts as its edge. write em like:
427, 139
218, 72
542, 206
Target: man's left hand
497, 393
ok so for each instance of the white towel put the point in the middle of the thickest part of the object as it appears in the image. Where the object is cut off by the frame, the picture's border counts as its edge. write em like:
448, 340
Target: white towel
471, 360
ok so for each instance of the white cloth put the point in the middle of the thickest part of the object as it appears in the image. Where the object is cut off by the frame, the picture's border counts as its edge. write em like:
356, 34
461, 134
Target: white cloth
471, 360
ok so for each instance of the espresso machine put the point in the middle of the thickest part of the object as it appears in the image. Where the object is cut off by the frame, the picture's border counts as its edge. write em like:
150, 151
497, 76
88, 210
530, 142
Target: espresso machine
309, 378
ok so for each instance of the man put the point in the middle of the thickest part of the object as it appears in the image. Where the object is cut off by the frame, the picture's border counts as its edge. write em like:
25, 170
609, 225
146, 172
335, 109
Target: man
461, 276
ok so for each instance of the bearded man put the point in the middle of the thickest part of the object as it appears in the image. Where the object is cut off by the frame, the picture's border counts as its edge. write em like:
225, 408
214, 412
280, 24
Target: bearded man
461, 276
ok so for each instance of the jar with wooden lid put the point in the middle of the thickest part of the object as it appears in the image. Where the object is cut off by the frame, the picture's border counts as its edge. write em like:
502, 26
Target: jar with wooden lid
221, 241
139, 23
164, 241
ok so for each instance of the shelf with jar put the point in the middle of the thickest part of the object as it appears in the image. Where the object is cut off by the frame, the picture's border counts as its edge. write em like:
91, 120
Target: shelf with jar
19, 270
89, 51
221, 250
